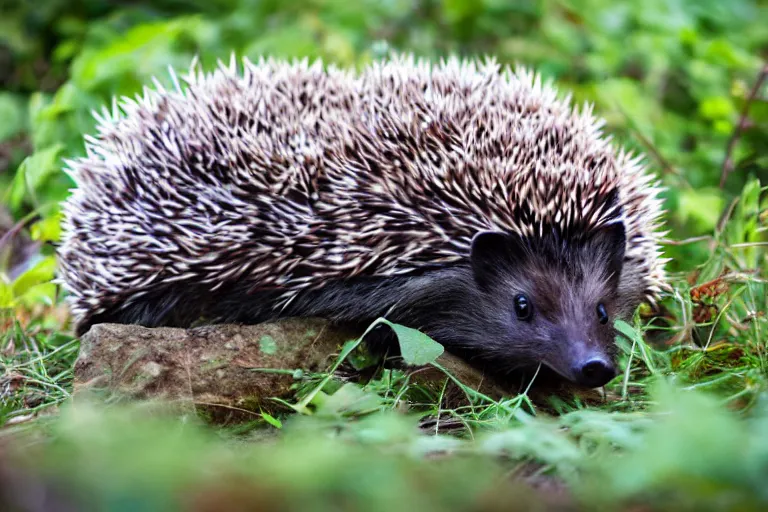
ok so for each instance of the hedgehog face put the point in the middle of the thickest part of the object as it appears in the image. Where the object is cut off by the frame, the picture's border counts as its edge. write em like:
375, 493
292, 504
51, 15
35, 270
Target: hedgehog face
552, 301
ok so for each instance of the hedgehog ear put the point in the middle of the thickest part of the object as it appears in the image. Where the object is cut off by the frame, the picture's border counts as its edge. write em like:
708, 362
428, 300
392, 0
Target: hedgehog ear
493, 251
611, 242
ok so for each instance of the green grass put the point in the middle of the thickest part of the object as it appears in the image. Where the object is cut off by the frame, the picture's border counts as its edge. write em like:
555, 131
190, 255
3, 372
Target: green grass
36, 370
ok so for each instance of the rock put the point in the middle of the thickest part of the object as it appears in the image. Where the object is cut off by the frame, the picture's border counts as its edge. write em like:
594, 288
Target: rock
224, 370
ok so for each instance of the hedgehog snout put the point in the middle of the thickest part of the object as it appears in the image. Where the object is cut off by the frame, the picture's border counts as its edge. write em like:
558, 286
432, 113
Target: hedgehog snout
594, 372
588, 364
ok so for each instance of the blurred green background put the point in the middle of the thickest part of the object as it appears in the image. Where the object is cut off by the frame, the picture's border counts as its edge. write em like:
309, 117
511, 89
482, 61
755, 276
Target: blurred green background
670, 76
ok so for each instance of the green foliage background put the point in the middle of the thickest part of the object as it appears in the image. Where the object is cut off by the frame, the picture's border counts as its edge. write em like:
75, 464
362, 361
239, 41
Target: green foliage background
672, 78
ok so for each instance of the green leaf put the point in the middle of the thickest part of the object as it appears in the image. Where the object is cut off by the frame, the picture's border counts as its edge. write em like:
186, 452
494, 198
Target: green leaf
637, 341
349, 399
32, 174
42, 272
6, 295
349, 346
43, 293
628, 331
743, 226
271, 420
47, 229
416, 347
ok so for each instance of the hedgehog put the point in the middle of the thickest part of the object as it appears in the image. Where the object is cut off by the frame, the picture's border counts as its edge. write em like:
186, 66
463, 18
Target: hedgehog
463, 198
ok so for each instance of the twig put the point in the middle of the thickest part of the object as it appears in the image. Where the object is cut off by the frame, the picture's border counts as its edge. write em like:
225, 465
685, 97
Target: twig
665, 164
750, 244
726, 215
649, 146
728, 162
14, 230
692, 240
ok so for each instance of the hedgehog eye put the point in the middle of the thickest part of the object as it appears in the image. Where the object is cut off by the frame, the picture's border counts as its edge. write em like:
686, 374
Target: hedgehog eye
523, 308
602, 314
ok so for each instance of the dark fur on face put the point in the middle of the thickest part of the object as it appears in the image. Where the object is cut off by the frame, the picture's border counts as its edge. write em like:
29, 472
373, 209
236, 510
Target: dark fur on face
569, 288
